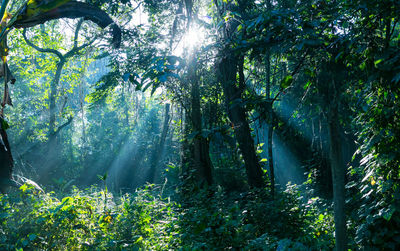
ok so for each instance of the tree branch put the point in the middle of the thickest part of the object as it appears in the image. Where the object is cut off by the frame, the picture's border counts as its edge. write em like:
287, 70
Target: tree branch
75, 49
78, 28
3, 8
64, 125
44, 50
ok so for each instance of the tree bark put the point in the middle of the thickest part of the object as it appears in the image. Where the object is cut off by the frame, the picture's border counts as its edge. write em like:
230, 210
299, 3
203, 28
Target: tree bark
159, 150
6, 161
227, 68
53, 96
201, 154
270, 119
338, 172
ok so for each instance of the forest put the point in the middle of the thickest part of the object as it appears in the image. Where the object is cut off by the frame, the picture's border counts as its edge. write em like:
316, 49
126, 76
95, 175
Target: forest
200, 125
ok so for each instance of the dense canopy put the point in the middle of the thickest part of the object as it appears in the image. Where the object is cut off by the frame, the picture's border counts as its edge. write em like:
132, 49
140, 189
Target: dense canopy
200, 125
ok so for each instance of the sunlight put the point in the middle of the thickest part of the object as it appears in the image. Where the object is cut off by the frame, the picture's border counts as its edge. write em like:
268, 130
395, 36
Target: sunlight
194, 38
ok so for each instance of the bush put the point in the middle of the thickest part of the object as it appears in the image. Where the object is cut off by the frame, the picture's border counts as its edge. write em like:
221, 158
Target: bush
206, 220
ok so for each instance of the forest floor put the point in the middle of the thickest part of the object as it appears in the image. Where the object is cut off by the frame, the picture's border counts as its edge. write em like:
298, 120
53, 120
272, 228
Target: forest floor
161, 219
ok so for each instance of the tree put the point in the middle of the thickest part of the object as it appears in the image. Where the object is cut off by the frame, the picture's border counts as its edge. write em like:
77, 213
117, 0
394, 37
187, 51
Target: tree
227, 72
37, 12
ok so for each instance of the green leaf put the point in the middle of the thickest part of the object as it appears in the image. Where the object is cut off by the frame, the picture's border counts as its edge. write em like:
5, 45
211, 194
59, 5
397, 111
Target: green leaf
307, 85
4, 124
102, 177
378, 62
396, 78
287, 81
32, 237
388, 213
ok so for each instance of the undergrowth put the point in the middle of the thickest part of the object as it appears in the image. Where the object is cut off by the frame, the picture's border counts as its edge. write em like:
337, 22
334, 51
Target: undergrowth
202, 220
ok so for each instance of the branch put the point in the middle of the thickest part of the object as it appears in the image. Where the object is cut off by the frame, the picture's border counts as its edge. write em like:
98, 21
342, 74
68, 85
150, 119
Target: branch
75, 49
78, 28
63, 125
71, 9
3, 8
44, 50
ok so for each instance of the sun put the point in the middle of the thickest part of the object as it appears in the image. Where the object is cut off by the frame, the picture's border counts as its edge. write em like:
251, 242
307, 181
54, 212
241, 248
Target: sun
192, 39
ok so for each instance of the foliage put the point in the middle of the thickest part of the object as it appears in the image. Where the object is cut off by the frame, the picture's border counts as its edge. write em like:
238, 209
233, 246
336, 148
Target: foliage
291, 62
145, 220
32, 220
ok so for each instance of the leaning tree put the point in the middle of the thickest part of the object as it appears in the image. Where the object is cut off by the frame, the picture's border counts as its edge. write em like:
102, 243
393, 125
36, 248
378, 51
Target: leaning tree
32, 13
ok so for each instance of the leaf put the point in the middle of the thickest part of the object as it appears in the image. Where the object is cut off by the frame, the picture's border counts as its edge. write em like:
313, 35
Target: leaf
163, 78
126, 76
146, 86
377, 62
338, 56
102, 177
308, 84
139, 239
4, 124
396, 78
32, 237
287, 81
387, 213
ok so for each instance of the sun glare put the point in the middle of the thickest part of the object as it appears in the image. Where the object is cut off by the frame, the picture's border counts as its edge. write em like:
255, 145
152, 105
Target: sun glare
190, 40
193, 38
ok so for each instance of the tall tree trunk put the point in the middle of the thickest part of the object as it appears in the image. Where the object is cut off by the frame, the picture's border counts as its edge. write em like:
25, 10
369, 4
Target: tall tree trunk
201, 154
338, 172
53, 96
270, 119
6, 160
159, 149
227, 68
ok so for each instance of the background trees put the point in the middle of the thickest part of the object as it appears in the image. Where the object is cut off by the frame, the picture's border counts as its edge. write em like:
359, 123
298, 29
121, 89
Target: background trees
235, 96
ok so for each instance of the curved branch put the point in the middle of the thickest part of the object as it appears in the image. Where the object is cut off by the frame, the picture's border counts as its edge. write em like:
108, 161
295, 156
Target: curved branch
44, 50
63, 125
75, 49
3, 8
72, 9
78, 28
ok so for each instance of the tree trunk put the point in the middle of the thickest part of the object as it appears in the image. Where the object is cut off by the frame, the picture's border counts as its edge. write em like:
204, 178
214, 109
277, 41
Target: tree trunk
159, 150
53, 96
338, 173
202, 161
270, 120
227, 73
6, 161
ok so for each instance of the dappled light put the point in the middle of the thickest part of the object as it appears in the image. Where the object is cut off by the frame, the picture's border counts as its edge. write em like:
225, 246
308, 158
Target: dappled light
199, 125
